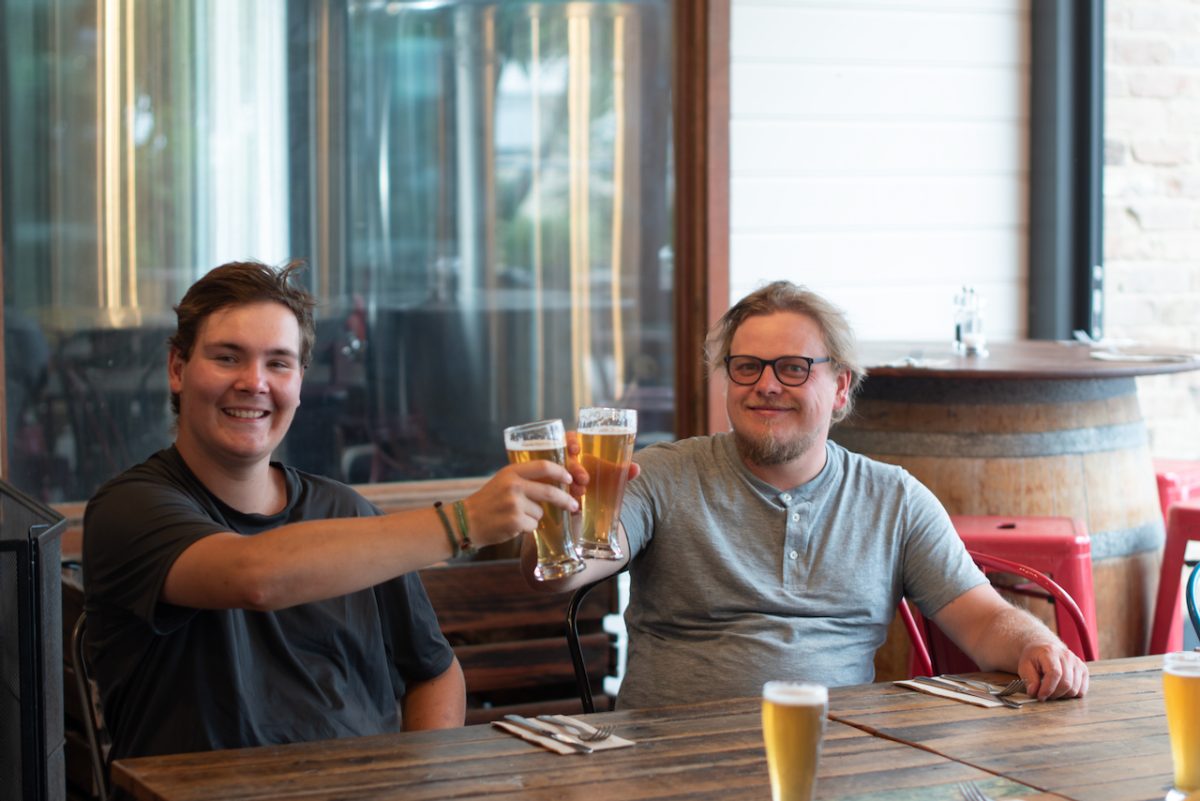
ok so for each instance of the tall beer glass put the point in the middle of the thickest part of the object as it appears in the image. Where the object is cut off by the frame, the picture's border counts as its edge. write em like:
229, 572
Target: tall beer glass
605, 450
1181, 694
793, 721
556, 552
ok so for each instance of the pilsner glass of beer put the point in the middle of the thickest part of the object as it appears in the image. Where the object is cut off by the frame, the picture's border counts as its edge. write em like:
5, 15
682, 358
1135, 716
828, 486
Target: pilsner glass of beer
556, 552
1181, 694
793, 721
605, 451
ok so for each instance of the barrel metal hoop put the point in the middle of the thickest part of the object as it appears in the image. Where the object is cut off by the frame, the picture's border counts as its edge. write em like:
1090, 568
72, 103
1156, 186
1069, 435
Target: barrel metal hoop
969, 445
1127, 542
995, 391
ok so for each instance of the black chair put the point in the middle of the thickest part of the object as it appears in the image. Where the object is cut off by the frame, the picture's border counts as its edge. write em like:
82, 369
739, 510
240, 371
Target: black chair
578, 658
88, 703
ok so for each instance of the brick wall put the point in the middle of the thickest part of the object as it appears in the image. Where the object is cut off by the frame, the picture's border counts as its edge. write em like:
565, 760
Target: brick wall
1152, 201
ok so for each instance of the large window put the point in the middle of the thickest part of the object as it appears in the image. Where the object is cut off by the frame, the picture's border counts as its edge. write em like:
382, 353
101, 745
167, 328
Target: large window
483, 192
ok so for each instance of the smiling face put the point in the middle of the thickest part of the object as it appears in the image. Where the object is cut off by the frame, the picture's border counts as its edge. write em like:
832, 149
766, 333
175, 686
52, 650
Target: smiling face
778, 426
240, 387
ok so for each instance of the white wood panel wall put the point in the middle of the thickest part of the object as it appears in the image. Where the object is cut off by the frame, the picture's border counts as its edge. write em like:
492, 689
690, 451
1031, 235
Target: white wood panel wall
879, 154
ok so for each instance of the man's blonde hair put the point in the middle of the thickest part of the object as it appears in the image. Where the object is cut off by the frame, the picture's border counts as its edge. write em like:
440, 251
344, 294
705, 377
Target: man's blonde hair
784, 296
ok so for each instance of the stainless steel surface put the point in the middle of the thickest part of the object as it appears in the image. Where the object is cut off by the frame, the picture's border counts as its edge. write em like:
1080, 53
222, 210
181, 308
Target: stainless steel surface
547, 731
971, 792
948, 684
1013, 687
578, 729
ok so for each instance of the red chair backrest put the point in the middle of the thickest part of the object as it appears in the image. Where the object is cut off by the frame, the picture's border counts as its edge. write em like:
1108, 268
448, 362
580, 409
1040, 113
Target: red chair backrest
934, 652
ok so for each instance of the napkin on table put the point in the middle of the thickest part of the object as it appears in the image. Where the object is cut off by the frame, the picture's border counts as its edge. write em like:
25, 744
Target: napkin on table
562, 748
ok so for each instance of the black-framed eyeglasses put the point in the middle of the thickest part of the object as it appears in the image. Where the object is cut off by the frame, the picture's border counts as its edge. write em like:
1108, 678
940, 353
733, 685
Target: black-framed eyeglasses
792, 371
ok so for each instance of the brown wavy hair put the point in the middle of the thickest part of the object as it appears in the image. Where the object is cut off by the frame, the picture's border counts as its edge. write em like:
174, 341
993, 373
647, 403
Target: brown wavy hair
238, 283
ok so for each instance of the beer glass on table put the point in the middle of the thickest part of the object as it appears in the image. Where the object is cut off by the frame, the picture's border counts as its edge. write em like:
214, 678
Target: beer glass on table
605, 450
793, 721
556, 552
1181, 694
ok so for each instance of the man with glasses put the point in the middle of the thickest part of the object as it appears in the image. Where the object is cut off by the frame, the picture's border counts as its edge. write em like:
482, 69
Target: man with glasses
769, 552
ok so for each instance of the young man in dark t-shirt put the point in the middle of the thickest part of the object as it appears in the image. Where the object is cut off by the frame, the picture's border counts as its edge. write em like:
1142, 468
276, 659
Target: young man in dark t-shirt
233, 601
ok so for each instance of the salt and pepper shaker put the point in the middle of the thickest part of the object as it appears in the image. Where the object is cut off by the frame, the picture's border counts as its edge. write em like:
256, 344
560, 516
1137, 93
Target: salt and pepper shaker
969, 336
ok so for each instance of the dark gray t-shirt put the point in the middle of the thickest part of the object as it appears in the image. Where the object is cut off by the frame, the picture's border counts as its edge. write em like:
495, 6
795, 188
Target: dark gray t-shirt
176, 679
734, 583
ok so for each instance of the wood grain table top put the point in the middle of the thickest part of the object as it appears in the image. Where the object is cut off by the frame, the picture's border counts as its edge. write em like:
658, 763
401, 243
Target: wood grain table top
883, 743
1110, 745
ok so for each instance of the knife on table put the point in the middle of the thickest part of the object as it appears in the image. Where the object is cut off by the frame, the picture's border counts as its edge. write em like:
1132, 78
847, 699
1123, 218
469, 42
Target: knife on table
547, 731
947, 684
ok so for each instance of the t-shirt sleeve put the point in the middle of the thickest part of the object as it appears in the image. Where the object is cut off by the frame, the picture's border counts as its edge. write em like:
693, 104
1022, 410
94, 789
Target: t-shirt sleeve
937, 568
417, 649
641, 506
133, 531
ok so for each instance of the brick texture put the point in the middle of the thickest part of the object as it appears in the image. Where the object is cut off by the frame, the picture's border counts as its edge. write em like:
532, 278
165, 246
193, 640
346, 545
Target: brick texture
1152, 201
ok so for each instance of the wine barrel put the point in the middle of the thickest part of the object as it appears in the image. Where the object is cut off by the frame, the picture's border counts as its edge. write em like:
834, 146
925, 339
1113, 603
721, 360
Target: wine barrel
1066, 447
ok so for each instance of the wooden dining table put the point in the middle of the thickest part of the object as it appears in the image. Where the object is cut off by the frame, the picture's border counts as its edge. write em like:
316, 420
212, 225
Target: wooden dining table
882, 743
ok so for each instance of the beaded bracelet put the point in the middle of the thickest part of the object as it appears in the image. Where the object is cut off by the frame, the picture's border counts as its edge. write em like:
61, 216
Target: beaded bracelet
460, 511
454, 547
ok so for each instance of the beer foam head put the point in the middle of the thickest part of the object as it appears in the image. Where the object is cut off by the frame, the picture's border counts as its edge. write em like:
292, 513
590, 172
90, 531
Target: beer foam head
521, 437
794, 693
535, 444
611, 431
1182, 663
591, 417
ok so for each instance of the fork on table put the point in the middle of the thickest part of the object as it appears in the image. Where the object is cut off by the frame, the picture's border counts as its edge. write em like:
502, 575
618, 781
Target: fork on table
970, 792
597, 733
1013, 687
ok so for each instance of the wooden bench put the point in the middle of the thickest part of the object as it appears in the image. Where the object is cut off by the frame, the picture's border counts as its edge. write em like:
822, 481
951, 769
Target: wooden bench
511, 640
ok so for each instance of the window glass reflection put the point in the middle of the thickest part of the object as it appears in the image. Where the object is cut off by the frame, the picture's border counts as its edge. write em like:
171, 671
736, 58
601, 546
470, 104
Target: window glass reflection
482, 191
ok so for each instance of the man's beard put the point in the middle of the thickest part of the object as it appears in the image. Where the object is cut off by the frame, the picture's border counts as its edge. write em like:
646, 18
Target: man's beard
768, 451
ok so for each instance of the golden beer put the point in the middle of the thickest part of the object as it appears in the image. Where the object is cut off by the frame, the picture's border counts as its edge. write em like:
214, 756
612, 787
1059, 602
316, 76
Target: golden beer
793, 721
1181, 694
606, 439
556, 552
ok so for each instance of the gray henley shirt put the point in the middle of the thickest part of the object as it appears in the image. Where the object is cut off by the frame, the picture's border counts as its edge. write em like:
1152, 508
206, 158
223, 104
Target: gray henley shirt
734, 583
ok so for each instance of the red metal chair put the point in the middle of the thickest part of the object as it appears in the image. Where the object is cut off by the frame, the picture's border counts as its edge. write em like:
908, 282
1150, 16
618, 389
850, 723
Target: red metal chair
1183, 526
1178, 480
919, 663
1057, 546
941, 655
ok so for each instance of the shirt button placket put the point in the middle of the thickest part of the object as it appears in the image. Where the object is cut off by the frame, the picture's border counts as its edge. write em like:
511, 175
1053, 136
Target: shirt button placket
791, 545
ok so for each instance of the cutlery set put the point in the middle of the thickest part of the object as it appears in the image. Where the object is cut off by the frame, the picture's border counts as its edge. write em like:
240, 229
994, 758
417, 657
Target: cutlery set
978, 689
547, 731
972, 687
971, 792
570, 732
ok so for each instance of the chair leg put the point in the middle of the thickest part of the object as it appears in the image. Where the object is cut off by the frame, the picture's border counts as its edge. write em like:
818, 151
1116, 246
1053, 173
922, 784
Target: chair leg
577, 659
1166, 630
84, 689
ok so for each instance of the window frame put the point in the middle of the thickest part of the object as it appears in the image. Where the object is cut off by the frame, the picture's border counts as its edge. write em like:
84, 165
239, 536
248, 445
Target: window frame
1065, 270
1066, 168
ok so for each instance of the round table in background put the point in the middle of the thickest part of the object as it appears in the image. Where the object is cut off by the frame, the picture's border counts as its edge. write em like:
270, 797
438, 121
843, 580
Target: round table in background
1033, 428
